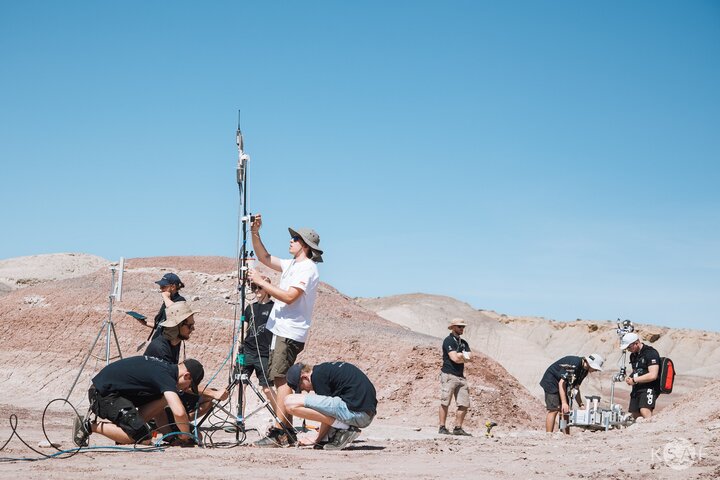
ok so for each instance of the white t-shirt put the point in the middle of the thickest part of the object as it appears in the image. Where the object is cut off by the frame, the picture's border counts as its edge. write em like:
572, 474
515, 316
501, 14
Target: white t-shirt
293, 321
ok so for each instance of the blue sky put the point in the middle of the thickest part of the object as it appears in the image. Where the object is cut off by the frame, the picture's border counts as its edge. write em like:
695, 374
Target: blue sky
557, 159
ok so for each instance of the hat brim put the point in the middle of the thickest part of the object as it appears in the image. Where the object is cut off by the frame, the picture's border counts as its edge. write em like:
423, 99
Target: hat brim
314, 246
163, 283
457, 325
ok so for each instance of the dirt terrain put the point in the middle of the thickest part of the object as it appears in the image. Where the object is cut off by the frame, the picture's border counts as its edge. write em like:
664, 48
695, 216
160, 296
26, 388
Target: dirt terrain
47, 327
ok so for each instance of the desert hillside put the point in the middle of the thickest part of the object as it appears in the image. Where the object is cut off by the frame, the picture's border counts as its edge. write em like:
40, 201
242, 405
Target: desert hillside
49, 321
525, 346
46, 329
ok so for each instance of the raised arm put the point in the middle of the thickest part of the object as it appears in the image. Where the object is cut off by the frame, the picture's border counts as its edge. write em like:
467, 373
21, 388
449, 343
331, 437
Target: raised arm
260, 251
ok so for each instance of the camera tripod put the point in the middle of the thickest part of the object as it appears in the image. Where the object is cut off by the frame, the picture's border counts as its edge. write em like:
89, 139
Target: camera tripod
107, 327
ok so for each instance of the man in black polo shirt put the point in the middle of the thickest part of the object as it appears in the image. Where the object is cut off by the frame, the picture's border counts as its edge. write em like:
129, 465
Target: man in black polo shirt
559, 378
132, 391
344, 398
645, 375
455, 352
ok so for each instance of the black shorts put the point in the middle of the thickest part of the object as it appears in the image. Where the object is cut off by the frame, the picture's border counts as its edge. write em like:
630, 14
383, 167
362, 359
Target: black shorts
259, 365
121, 412
552, 402
643, 398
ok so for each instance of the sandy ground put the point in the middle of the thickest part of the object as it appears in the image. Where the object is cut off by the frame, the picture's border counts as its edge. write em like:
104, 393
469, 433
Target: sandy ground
46, 329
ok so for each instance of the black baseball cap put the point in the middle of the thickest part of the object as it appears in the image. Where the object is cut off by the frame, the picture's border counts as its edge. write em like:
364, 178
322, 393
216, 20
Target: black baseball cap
292, 377
197, 372
170, 279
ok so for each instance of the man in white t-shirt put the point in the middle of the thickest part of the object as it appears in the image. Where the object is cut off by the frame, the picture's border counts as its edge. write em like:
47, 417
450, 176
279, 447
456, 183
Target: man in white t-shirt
291, 315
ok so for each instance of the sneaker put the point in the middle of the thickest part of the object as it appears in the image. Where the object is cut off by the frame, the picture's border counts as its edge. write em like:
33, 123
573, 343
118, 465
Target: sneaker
443, 431
460, 431
343, 438
277, 437
274, 438
81, 431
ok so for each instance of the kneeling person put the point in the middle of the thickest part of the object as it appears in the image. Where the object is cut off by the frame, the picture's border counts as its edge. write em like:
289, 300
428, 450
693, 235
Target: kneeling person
132, 391
343, 398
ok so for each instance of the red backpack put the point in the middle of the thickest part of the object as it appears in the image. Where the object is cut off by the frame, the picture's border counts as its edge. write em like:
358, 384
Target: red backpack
667, 375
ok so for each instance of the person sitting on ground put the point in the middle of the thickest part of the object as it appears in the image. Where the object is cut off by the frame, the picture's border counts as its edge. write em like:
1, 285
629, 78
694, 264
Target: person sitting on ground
256, 347
176, 329
645, 376
344, 398
561, 377
130, 392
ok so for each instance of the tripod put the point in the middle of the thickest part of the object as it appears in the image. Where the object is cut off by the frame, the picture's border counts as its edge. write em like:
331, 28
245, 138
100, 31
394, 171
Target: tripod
107, 326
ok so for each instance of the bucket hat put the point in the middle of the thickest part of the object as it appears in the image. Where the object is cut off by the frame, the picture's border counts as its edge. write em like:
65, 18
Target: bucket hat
176, 313
311, 239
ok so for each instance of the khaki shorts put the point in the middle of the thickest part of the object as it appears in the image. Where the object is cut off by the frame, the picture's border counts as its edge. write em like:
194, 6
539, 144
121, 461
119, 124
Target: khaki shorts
453, 386
283, 357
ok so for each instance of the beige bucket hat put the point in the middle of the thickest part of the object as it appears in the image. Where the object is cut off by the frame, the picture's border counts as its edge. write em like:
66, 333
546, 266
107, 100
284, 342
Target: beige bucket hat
176, 313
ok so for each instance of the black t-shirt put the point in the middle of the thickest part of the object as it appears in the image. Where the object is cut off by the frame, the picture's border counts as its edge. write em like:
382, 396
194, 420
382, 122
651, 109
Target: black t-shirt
563, 368
139, 379
161, 348
640, 362
258, 337
453, 344
160, 317
345, 380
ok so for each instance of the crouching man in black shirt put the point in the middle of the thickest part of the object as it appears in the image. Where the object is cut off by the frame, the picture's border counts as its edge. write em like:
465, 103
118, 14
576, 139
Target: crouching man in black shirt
134, 390
644, 378
344, 398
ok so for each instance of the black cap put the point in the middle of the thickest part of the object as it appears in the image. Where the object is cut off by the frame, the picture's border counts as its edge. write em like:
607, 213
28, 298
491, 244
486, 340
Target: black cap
170, 279
292, 377
197, 372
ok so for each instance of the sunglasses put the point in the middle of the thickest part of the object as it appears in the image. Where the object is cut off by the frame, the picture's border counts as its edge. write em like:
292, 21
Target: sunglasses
191, 326
295, 238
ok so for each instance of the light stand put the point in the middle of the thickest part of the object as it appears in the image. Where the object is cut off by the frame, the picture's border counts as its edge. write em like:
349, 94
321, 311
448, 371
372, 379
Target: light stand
107, 326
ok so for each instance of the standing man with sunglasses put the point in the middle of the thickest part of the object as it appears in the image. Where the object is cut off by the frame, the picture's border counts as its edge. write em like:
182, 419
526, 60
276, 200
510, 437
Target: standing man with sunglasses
291, 316
456, 352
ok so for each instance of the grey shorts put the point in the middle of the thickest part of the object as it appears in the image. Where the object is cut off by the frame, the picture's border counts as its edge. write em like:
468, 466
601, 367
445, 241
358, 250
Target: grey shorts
454, 386
283, 357
552, 402
336, 408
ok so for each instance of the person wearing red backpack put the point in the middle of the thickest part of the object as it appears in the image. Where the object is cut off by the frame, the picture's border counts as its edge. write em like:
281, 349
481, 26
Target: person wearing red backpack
645, 376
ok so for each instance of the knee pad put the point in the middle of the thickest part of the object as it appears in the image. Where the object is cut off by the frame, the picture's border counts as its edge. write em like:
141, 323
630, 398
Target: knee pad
132, 423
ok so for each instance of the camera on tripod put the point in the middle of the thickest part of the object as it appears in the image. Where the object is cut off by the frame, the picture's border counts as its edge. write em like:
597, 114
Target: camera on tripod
620, 376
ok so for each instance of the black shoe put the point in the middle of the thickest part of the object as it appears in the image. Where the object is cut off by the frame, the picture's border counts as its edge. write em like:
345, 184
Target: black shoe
460, 431
273, 439
278, 437
343, 438
81, 431
444, 431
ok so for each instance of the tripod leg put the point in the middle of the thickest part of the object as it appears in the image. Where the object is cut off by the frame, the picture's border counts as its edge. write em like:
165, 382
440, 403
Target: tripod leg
117, 343
87, 357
